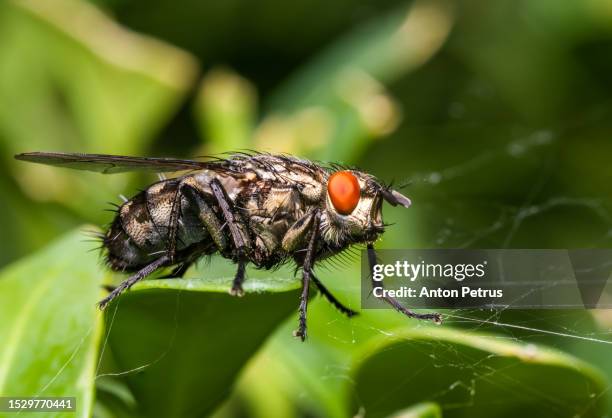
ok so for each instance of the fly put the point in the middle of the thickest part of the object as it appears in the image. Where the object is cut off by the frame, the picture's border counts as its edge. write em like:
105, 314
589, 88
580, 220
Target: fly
251, 208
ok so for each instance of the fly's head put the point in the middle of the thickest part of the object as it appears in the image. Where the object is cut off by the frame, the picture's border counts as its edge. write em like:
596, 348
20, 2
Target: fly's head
353, 207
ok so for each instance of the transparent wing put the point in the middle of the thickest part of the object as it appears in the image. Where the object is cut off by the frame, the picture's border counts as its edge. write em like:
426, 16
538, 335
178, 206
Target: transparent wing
110, 164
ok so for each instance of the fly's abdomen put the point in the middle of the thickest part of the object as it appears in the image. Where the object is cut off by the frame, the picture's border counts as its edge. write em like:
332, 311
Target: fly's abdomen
129, 240
141, 231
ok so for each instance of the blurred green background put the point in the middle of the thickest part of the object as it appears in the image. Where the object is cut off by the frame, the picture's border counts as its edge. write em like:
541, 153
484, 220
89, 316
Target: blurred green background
497, 114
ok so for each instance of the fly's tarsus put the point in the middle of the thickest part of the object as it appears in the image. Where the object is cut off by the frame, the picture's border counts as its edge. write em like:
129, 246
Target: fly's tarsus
435, 317
236, 289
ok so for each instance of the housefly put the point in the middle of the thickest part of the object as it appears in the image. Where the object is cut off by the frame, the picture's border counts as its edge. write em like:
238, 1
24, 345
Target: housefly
254, 208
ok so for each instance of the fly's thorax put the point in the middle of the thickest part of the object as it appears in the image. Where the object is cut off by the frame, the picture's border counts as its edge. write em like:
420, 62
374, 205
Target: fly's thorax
159, 199
282, 173
282, 201
232, 184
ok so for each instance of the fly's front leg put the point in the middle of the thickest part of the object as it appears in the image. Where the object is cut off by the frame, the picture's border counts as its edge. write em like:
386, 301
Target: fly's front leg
238, 232
307, 265
295, 238
331, 298
435, 317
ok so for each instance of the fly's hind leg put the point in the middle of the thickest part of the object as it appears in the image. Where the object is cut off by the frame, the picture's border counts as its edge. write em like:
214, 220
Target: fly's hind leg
164, 260
208, 218
238, 232
130, 281
210, 221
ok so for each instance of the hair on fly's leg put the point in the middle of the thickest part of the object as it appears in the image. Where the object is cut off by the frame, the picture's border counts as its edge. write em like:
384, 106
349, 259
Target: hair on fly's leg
331, 298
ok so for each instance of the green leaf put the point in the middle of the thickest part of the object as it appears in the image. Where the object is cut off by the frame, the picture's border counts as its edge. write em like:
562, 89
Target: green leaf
77, 81
476, 375
179, 343
381, 362
50, 326
422, 410
311, 377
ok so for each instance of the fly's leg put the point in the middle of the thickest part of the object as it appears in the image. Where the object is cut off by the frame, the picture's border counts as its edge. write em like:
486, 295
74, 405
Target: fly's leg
205, 214
208, 218
166, 259
297, 234
236, 289
435, 317
171, 244
294, 238
306, 277
180, 270
331, 298
130, 281
237, 231
210, 221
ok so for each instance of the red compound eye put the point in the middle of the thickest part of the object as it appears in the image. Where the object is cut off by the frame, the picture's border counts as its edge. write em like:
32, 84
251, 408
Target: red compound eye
343, 190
